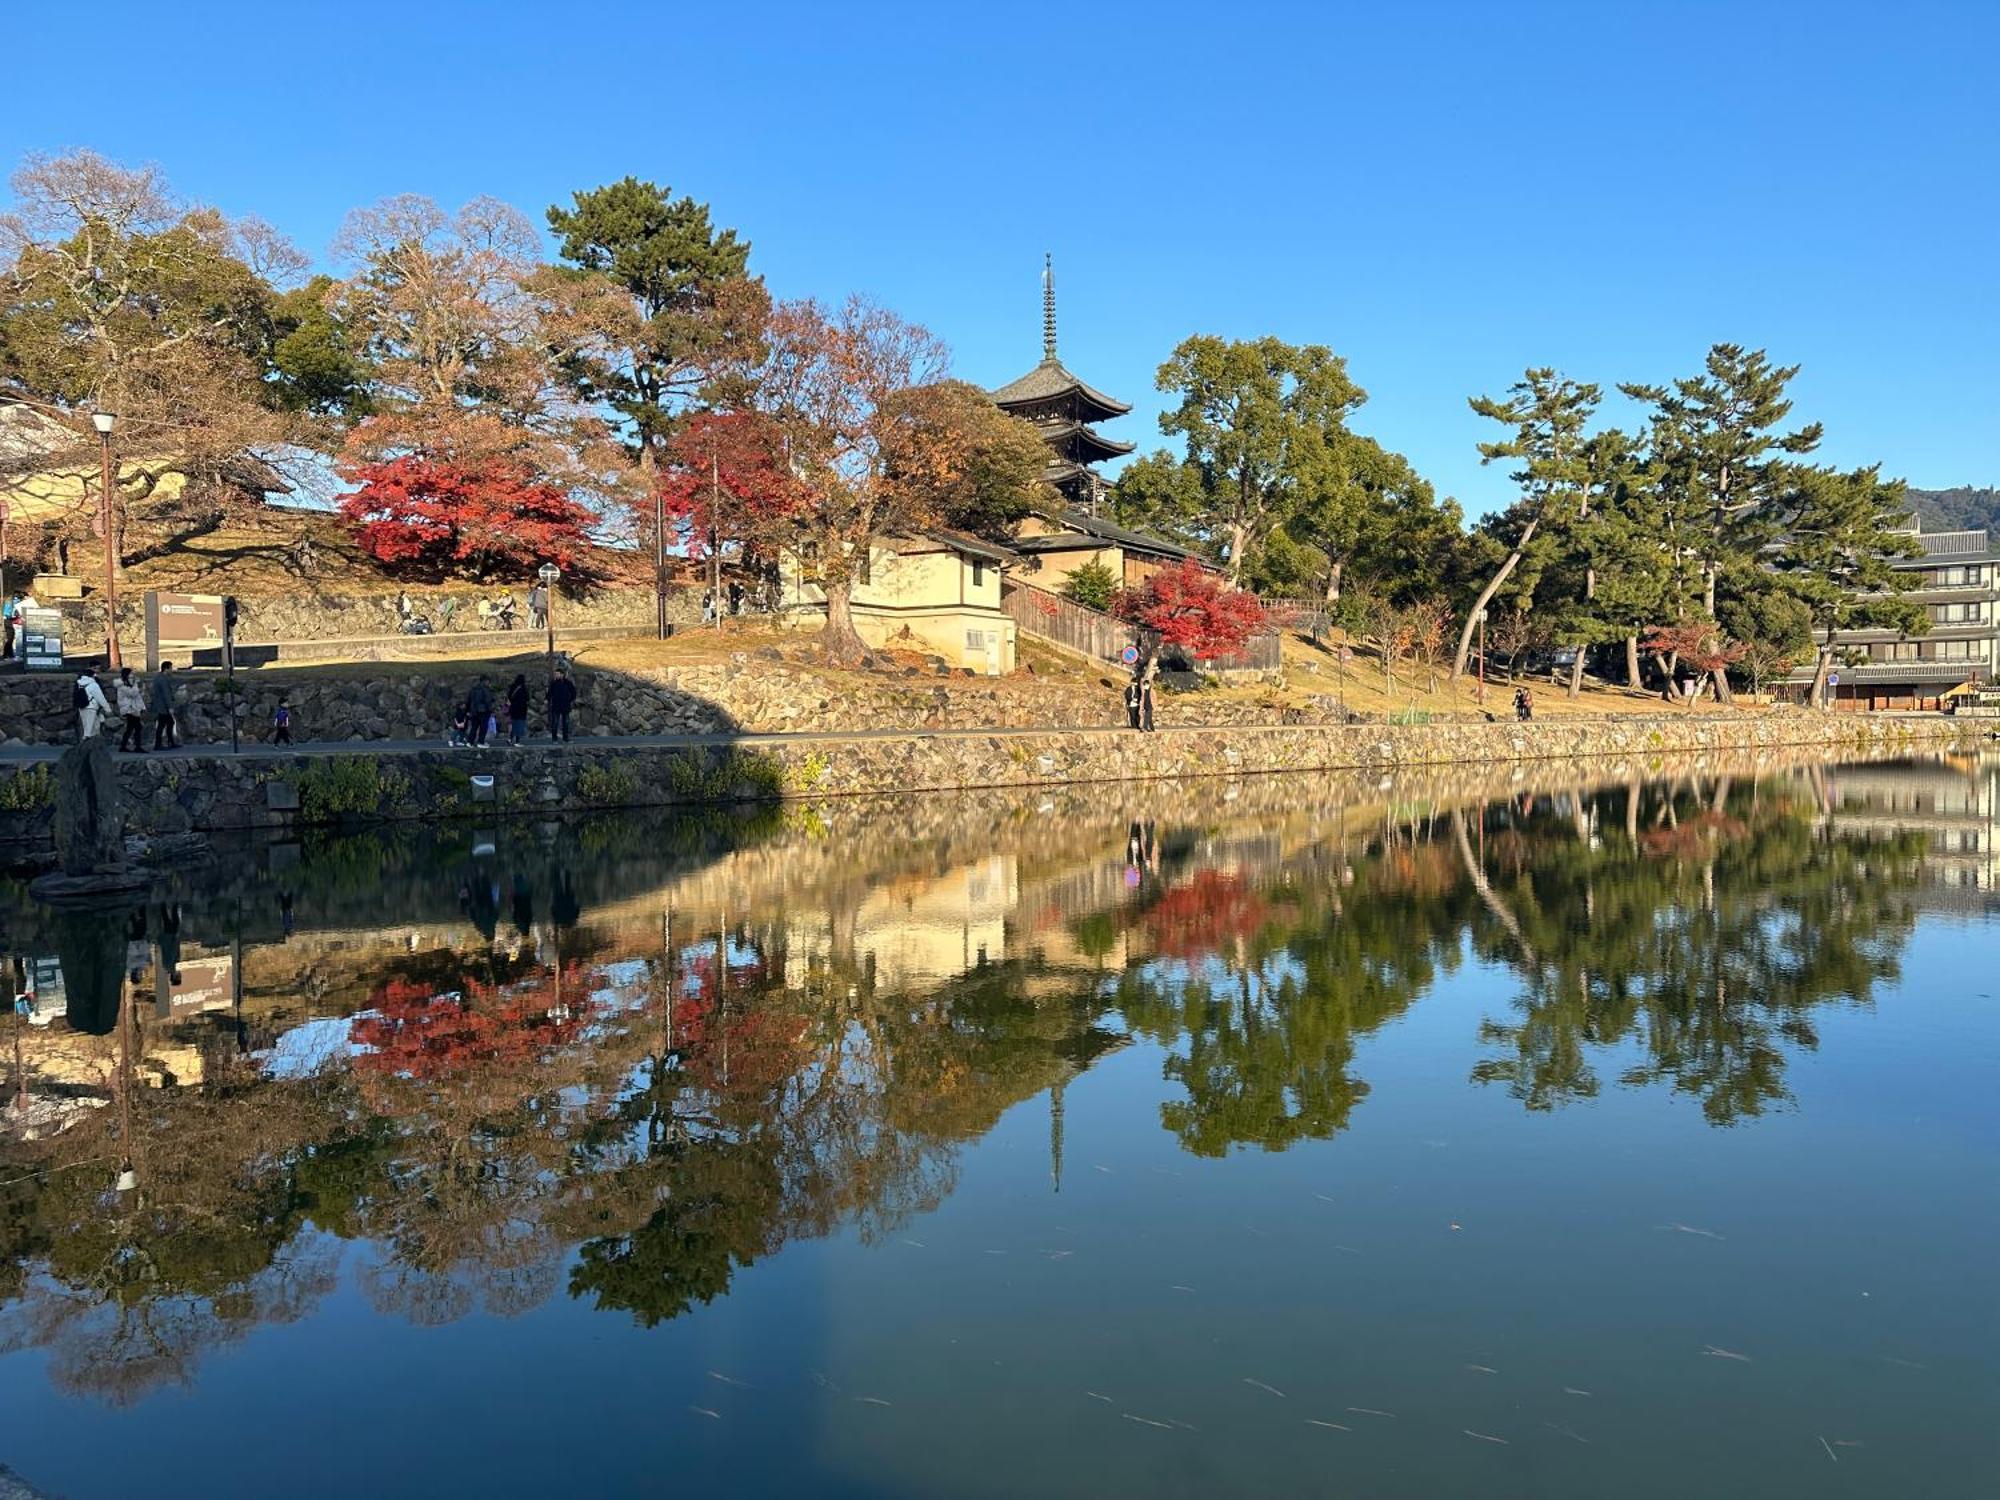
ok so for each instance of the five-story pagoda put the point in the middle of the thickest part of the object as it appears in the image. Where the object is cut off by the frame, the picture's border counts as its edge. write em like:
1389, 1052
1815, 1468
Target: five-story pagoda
1063, 409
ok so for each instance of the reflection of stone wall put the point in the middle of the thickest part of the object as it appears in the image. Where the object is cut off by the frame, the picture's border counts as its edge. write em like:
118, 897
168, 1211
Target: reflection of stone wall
170, 796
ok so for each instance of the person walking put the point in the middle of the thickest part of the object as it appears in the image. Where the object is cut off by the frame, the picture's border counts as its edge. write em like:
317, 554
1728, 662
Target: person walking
92, 707
561, 699
1146, 703
131, 703
281, 723
160, 698
1524, 705
517, 709
21, 608
479, 705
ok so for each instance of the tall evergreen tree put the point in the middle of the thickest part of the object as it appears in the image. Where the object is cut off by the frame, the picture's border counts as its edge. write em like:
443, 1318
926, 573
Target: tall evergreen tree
1839, 534
1720, 456
1263, 422
1548, 414
655, 303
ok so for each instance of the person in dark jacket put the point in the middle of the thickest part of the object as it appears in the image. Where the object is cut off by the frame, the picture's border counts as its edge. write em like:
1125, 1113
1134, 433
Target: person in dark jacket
1146, 703
517, 709
160, 698
562, 698
479, 704
1132, 692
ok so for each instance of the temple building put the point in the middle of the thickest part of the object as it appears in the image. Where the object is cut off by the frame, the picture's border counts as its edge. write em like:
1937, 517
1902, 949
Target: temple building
1063, 408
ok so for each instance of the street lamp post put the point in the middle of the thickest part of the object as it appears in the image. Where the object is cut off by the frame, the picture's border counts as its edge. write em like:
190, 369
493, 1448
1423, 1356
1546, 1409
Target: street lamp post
549, 574
104, 421
1481, 617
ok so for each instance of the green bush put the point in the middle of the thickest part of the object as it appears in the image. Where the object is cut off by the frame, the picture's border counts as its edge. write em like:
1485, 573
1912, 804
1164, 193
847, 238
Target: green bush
28, 791
343, 786
609, 786
1093, 585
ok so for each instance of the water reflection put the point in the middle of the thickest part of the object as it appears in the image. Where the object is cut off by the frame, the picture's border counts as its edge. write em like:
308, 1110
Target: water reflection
620, 1062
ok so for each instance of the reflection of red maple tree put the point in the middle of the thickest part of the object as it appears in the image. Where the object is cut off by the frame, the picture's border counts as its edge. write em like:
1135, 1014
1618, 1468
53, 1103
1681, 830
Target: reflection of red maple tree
730, 1035
1213, 911
413, 1030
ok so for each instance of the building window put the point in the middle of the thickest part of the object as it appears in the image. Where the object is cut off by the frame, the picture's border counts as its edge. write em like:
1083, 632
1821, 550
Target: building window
978, 573
975, 640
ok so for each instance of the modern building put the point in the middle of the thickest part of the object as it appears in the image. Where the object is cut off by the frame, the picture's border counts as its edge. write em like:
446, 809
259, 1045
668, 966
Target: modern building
1064, 410
1957, 581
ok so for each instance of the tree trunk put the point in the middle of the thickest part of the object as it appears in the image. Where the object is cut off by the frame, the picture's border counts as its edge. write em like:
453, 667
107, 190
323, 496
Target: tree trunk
1722, 691
844, 646
1821, 668
1576, 674
1633, 677
1237, 532
1486, 597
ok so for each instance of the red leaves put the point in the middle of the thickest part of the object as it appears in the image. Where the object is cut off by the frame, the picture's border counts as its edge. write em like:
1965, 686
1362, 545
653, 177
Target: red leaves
1698, 644
1212, 913
1191, 609
426, 516
412, 1032
726, 476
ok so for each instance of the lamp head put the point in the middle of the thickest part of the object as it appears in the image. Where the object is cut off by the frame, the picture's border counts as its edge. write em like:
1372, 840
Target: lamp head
104, 421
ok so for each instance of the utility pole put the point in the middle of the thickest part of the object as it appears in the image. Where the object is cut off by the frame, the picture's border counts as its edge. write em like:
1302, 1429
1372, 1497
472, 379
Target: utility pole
104, 421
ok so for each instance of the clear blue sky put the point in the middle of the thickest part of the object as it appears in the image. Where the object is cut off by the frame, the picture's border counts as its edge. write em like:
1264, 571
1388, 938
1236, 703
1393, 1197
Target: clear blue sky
1444, 193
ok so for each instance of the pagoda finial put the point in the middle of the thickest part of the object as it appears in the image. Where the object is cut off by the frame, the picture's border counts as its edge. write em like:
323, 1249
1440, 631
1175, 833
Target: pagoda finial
1048, 306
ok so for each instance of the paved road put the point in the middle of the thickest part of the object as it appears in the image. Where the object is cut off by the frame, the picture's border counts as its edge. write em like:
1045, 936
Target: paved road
30, 754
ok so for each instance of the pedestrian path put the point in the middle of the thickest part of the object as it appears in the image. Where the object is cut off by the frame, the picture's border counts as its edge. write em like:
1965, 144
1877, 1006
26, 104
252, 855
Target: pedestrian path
32, 754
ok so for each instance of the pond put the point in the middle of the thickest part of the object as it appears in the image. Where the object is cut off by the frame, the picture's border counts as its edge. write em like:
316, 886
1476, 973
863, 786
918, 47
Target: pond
1572, 1134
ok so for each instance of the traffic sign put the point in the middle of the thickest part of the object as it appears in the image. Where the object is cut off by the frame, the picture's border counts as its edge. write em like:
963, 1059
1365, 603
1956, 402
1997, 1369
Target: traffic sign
1129, 655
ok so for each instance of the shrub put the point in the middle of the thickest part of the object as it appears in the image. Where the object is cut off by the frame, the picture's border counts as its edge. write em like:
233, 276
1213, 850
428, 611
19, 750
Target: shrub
1093, 585
28, 791
344, 786
609, 786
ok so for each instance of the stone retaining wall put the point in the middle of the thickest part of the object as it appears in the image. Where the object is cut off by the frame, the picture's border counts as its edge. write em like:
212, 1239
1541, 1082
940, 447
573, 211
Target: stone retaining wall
311, 616
274, 790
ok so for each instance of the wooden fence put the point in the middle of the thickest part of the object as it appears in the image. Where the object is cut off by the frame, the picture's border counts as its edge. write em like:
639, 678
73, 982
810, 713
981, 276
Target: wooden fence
1104, 638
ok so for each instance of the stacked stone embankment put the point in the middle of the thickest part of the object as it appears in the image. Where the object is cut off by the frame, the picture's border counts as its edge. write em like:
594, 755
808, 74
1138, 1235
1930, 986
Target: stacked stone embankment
266, 789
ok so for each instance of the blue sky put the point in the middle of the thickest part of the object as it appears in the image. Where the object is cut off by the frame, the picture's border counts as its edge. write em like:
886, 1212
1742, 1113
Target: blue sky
1443, 193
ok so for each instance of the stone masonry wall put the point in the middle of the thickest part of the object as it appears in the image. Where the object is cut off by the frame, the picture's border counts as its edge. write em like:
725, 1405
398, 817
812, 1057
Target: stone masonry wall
263, 789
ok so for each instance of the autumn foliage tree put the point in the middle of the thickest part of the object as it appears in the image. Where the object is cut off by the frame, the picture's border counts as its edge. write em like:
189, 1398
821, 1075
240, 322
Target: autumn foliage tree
1190, 611
432, 518
873, 442
1696, 644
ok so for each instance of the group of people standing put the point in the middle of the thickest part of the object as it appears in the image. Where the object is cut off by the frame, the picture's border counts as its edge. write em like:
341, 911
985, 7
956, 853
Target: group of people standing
1139, 702
130, 701
476, 720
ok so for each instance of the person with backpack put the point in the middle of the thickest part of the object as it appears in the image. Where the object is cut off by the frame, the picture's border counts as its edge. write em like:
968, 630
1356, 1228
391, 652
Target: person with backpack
281, 723
479, 708
92, 707
561, 699
160, 698
132, 709
517, 709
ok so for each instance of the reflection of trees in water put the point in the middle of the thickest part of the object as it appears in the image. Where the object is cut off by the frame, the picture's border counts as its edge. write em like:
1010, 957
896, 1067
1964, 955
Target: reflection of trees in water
1714, 923
563, 1112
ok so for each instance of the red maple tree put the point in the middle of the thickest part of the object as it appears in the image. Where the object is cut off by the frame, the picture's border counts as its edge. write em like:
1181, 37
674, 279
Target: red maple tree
1697, 644
725, 479
430, 518
1211, 913
1192, 611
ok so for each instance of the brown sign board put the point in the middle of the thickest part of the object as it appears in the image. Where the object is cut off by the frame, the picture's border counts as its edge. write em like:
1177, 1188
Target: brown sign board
180, 622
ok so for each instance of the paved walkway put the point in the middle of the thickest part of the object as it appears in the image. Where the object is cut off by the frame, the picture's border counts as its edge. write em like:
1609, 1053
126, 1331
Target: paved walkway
32, 754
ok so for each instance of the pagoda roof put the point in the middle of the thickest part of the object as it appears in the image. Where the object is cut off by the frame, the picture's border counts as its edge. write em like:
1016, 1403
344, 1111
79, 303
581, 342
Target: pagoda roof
1049, 381
1080, 440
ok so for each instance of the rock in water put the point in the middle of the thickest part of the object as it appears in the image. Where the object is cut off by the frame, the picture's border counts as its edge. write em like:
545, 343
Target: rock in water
90, 831
90, 809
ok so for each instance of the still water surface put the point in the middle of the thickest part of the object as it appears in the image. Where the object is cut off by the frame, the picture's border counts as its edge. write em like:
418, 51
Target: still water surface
1287, 1138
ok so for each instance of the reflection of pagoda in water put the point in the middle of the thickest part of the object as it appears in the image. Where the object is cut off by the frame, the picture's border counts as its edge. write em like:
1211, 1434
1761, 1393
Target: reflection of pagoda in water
1063, 410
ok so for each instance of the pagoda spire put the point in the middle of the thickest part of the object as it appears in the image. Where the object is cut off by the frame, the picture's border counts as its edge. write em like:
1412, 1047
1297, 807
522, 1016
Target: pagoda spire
1048, 307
